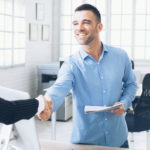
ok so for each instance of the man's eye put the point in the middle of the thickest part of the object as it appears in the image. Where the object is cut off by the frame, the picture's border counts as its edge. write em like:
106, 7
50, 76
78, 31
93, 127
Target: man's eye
86, 22
75, 23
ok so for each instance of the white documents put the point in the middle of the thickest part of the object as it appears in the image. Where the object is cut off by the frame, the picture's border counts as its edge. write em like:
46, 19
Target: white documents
92, 109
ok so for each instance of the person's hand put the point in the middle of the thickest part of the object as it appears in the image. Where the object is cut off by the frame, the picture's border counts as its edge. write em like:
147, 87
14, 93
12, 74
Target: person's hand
46, 113
118, 111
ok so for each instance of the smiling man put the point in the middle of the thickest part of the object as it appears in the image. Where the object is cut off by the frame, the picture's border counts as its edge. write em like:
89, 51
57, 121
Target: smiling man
86, 27
99, 75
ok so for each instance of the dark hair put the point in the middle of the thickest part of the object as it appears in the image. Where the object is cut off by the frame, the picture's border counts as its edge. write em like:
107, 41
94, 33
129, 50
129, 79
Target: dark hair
91, 8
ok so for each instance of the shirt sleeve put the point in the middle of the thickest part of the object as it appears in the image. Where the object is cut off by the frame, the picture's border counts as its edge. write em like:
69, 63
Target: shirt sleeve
129, 84
13, 111
62, 86
41, 105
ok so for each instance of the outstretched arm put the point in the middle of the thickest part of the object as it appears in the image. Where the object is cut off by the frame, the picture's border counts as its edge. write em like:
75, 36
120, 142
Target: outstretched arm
13, 111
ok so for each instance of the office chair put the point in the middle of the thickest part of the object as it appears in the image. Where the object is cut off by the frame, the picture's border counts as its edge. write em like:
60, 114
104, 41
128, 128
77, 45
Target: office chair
138, 118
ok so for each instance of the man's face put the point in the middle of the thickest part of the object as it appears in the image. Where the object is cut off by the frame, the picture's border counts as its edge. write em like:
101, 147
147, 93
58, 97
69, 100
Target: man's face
85, 26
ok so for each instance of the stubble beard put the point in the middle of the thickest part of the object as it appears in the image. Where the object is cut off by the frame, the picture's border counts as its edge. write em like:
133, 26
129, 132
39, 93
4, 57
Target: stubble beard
88, 40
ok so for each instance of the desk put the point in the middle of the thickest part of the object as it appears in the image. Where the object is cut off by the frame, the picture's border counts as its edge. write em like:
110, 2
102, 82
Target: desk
55, 145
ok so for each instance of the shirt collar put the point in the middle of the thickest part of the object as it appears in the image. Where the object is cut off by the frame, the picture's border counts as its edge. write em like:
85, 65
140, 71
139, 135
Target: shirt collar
85, 54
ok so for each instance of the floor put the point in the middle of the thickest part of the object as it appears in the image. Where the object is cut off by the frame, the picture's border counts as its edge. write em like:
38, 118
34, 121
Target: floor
63, 132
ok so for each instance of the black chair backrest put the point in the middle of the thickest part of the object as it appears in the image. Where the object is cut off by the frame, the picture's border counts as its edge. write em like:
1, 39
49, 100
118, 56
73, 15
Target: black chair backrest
142, 108
146, 84
132, 63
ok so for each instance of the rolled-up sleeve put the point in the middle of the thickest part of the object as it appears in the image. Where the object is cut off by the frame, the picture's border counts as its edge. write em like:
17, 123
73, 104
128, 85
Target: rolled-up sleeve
62, 86
129, 84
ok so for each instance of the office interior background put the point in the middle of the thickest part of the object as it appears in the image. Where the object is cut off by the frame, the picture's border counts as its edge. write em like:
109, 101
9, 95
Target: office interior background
36, 32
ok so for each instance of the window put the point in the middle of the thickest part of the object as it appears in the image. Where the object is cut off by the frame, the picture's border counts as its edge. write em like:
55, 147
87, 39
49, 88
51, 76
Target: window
12, 33
130, 27
121, 24
126, 25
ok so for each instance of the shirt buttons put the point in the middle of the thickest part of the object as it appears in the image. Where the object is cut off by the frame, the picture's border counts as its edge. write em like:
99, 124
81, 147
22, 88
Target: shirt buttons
102, 77
104, 91
106, 119
107, 132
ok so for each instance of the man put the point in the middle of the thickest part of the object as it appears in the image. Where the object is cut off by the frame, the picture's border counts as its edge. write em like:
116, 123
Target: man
99, 75
13, 111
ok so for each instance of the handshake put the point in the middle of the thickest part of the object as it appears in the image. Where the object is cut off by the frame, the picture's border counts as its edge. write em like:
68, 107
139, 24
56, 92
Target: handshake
45, 114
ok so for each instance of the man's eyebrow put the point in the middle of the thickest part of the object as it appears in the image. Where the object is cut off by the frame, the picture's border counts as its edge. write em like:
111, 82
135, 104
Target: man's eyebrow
84, 20
74, 21
87, 20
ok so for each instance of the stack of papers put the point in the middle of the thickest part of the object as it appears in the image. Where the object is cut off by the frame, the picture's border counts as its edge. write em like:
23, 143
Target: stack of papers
92, 109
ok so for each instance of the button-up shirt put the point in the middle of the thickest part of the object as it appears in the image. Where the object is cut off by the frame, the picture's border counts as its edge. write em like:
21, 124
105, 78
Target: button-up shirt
101, 83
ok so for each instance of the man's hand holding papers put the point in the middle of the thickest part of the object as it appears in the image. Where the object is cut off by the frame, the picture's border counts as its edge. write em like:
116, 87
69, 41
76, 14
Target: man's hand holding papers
117, 108
120, 110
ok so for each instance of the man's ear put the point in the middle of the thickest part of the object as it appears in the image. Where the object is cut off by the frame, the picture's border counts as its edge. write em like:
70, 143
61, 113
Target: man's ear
100, 27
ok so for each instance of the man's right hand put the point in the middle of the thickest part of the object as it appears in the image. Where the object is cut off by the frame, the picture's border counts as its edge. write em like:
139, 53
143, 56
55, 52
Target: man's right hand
48, 109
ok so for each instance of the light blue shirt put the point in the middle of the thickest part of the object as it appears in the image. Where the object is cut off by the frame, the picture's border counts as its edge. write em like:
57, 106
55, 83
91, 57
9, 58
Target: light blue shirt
95, 83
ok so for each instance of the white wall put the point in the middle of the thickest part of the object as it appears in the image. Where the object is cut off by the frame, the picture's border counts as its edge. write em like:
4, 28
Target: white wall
37, 52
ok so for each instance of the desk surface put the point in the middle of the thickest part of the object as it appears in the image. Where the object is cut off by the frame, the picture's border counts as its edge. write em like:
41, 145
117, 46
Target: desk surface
55, 145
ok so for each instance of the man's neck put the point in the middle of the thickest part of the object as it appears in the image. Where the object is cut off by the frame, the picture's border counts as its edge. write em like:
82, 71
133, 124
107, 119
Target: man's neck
94, 49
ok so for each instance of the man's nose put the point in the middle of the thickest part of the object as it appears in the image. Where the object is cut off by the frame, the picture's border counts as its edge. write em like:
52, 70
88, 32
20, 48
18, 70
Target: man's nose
80, 27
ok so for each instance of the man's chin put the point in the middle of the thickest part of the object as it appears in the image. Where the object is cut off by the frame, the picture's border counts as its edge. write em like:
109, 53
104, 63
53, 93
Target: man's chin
82, 42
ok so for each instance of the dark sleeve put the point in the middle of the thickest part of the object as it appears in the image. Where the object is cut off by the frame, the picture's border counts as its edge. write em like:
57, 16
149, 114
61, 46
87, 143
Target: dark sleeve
13, 111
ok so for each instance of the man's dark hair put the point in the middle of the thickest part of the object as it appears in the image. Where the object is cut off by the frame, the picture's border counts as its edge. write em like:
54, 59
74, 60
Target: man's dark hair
91, 8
